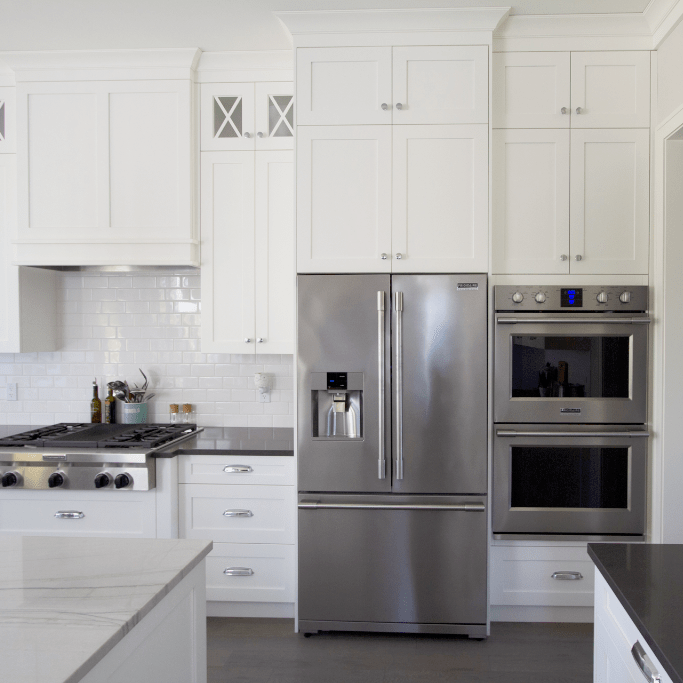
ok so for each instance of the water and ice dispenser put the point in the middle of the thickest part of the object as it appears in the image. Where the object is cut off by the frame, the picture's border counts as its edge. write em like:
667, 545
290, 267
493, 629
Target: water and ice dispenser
337, 405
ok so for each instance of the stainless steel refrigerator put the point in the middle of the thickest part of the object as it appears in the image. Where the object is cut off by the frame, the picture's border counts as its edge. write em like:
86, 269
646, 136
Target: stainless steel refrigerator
391, 431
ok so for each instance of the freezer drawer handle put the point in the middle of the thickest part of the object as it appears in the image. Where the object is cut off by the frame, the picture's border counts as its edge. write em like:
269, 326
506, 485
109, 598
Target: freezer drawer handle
399, 385
458, 507
381, 463
645, 663
575, 321
239, 469
512, 432
567, 576
238, 513
238, 571
69, 514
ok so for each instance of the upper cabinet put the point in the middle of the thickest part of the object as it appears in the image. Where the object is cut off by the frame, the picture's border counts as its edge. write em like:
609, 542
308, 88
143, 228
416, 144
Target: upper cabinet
400, 85
247, 116
577, 90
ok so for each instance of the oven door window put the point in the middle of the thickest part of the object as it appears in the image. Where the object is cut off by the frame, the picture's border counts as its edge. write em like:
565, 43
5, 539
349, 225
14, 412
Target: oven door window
571, 477
571, 366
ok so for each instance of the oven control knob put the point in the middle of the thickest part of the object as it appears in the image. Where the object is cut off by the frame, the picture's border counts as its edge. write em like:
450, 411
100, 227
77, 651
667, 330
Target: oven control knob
602, 298
102, 480
540, 297
122, 480
518, 297
55, 479
625, 297
10, 479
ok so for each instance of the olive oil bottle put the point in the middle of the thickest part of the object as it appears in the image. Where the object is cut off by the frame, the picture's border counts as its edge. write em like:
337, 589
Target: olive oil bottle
95, 405
110, 408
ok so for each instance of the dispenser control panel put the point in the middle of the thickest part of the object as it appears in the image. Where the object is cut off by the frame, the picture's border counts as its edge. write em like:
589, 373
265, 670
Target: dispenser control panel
336, 381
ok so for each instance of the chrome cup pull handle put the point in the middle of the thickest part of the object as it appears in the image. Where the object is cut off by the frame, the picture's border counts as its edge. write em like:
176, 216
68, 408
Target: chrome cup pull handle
645, 663
238, 571
238, 513
381, 462
399, 384
567, 576
237, 469
69, 514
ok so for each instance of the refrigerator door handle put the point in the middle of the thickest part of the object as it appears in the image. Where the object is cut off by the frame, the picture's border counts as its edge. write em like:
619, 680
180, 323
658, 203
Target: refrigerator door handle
399, 384
381, 463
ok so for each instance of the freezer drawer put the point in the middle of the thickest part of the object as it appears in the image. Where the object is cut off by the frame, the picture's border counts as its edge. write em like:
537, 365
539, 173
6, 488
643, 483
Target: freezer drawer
401, 560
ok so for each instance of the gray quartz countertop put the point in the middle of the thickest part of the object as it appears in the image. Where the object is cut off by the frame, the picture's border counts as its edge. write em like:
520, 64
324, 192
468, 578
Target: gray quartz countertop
648, 581
66, 602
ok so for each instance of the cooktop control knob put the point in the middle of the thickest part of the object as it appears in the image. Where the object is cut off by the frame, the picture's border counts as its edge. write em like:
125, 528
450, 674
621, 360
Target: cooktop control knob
540, 297
122, 480
55, 479
10, 479
102, 480
518, 297
625, 297
602, 298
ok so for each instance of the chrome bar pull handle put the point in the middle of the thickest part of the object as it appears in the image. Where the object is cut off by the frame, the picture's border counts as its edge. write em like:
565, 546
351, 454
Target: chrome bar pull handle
399, 384
645, 663
567, 576
238, 571
382, 462
237, 469
238, 513
69, 514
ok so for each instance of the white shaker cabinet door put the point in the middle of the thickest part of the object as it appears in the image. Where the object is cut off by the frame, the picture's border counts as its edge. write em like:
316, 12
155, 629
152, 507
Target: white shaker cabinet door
343, 85
440, 84
227, 116
8, 136
531, 90
610, 89
440, 199
227, 183
609, 227
274, 112
274, 257
343, 199
531, 201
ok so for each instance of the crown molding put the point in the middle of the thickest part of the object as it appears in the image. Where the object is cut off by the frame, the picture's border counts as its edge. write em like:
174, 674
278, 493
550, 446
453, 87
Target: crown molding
236, 66
662, 17
392, 20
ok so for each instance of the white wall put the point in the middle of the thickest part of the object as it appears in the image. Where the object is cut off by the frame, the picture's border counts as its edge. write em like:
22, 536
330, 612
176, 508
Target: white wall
111, 325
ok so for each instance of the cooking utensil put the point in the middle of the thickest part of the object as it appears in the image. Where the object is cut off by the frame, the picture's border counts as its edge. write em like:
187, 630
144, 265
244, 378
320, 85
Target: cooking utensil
120, 390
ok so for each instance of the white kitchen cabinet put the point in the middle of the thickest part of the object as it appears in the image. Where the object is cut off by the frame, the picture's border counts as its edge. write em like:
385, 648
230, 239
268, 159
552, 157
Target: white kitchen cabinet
577, 90
106, 173
8, 138
587, 216
247, 252
247, 116
614, 636
400, 85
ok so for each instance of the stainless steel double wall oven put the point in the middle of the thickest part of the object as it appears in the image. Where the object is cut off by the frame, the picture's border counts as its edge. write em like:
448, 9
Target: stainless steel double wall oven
570, 407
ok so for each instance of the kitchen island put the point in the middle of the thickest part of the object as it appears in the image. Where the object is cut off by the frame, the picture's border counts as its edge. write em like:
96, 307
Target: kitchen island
638, 598
102, 609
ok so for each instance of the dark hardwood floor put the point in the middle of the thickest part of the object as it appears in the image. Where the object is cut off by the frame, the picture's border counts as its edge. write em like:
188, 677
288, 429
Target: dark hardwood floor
268, 651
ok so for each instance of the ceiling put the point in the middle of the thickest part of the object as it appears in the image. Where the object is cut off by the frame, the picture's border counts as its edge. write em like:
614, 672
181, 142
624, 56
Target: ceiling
213, 25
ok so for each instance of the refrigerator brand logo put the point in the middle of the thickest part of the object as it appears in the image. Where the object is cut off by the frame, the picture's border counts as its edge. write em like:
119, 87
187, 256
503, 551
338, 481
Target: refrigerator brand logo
468, 285
571, 410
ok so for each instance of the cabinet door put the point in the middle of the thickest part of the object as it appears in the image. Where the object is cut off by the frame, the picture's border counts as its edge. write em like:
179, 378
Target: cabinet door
274, 110
343, 85
610, 89
275, 267
609, 224
531, 90
8, 138
227, 116
9, 274
343, 199
440, 84
530, 201
440, 199
228, 252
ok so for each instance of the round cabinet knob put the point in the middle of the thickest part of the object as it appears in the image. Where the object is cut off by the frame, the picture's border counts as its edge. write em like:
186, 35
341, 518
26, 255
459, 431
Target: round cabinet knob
55, 479
385, 106
102, 480
247, 340
563, 257
246, 135
564, 110
518, 297
625, 297
602, 298
399, 256
579, 110
259, 135
384, 257
540, 297
122, 480
399, 105
260, 340
10, 479
578, 257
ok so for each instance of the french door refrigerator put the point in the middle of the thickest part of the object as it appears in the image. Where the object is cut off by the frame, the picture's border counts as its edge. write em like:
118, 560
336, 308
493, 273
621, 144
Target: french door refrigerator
392, 447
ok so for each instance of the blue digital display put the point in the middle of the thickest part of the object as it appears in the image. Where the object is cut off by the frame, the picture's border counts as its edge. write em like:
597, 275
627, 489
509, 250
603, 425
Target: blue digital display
571, 298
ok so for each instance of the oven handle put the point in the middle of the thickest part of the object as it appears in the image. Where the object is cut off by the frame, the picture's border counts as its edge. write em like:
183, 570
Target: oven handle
512, 432
575, 321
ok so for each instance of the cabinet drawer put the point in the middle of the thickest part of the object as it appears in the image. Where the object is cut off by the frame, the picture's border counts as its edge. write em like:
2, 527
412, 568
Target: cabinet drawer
271, 580
267, 470
523, 576
123, 514
238, 514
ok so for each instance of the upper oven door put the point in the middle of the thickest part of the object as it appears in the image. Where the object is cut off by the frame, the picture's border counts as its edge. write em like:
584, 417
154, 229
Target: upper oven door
570, 369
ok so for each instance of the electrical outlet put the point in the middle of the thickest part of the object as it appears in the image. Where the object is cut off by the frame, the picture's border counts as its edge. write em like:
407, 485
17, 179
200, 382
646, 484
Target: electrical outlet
12, 392
264, 398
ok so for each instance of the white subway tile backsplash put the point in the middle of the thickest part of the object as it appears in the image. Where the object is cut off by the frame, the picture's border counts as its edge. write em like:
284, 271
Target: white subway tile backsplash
112, 325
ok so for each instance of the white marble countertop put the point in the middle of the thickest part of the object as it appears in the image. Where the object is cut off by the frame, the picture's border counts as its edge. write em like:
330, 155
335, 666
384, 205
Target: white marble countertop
65, 602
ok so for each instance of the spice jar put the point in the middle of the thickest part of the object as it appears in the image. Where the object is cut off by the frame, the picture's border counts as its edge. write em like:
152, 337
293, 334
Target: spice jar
173, 413
187, 413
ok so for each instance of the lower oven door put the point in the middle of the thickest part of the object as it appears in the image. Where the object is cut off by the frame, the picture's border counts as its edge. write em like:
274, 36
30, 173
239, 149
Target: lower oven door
569, 480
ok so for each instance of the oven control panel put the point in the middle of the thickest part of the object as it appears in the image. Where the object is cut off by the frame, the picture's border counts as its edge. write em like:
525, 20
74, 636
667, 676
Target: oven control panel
566, 299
